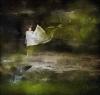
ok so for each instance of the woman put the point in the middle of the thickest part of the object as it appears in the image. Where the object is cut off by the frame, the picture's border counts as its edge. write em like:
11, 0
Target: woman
36, 37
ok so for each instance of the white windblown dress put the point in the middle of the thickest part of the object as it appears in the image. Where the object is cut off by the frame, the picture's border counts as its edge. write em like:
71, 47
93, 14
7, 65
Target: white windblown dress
39, 36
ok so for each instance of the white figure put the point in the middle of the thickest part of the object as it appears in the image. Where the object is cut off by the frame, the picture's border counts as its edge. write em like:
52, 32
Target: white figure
36, 37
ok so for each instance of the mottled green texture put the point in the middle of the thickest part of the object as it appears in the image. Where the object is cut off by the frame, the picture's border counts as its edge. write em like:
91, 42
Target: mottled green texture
76, 26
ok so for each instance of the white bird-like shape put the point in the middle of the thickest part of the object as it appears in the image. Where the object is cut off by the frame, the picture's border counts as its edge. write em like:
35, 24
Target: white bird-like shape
38, 36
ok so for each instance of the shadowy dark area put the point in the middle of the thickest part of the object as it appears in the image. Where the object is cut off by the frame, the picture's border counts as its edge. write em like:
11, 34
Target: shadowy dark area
13, 23
57, 45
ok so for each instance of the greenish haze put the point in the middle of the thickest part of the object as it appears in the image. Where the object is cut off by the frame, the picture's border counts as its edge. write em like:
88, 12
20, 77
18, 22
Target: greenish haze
67, 88
77, 25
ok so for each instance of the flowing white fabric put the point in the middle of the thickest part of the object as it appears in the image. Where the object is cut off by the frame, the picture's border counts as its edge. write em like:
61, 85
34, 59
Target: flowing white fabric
39, 36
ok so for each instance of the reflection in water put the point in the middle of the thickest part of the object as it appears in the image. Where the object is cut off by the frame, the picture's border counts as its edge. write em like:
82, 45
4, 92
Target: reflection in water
59, 84
66, 74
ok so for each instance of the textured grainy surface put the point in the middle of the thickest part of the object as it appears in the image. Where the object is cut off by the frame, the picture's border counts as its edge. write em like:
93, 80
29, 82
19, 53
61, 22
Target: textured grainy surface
58, 62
